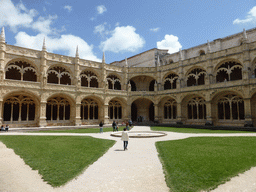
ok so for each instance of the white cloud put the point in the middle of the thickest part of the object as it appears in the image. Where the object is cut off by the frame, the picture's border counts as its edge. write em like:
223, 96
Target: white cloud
68, 7
43, 25
101, 9
17, 16
155, 29
123, 39
66, 43
251, 17
101, 29
169, 42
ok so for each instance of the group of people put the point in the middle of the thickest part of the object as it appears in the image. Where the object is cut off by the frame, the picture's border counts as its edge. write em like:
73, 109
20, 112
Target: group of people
4, 128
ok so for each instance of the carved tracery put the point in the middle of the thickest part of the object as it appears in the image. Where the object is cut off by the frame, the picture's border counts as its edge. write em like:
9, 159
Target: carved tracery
20, 70
196, 77
89, 79
58, 75
19, 108
229, 71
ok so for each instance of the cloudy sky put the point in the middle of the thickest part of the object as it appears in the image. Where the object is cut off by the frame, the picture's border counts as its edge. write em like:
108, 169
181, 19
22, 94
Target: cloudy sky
121, 28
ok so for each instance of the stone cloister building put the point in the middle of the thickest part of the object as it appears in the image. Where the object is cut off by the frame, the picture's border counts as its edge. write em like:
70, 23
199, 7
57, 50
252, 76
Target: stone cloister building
212, 83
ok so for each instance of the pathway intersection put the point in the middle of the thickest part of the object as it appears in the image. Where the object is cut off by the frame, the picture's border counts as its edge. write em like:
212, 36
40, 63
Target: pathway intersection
137, 169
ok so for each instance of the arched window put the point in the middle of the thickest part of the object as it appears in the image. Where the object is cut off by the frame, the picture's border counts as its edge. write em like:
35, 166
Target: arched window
114, 82
170, 82
170, 109
89, 79
59, 75
57, 108
115, 110
19, 108
229, 71
89, 109
196, 108
231, 107
196, 77
20, 70
133, 85
201, 52
152, 85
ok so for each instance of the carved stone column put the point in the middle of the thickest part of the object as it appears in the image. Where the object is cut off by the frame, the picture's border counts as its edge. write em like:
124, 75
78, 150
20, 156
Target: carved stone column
1, 112
78, 114
156, 108
179, 116
209, 113
128, 112
106, 117
247, 113
42, 115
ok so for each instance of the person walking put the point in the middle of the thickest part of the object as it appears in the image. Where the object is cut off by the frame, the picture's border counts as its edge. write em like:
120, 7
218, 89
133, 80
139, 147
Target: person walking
125, 138
114, 126
101, 127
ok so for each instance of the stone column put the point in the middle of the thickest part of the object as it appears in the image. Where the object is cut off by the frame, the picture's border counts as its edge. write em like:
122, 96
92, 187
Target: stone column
106, 117
128, 112
209, 113
1, 112
179, 116
78, 114
247, 113
42, 114
156, 108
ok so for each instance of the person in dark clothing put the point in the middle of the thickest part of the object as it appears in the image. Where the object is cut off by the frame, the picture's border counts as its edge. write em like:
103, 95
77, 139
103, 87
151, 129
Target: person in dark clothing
114, 126
101, 127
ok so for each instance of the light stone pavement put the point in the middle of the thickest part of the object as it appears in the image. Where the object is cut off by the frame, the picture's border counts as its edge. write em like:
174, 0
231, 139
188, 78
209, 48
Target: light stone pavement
137, 169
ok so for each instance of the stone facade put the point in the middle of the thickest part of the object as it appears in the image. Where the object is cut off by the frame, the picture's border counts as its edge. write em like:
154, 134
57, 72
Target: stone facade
213, 83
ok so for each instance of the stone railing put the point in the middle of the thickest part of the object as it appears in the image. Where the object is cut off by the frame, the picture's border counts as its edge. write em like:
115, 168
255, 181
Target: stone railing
21, 84
11, 49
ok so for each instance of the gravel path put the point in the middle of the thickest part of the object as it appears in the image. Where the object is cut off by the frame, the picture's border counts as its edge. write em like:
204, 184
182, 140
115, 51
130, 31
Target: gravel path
137, 169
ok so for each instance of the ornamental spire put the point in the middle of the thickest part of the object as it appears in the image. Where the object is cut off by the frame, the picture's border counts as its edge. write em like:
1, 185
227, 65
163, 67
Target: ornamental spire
158, 60
244, 34
209, 50
44, 46
126, 63
181, 56
103, 57
77, 53
2, 37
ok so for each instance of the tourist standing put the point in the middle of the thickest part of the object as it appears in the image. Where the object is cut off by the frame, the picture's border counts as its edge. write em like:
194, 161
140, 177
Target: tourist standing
114, 126
125, 138
101, 127
130, 124
117, 127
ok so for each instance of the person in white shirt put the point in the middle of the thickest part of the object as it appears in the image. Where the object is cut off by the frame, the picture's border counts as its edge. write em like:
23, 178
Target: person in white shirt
125, 138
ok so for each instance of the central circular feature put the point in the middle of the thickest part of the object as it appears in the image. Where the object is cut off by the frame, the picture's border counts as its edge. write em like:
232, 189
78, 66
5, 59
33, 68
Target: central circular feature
140, 134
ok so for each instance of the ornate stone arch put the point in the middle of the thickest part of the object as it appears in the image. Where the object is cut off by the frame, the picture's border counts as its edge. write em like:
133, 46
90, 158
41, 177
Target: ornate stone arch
196, 76
59, 74
60, 109
21, 69
20, 107
170, 80
114, 82
89, 78
228, 70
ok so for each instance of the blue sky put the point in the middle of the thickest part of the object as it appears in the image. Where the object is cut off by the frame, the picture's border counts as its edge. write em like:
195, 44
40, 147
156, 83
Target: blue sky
121, 28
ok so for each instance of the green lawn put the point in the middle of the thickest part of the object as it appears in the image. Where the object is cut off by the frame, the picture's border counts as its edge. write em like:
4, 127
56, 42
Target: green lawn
193, 130
203, 163
85, 130
58, 159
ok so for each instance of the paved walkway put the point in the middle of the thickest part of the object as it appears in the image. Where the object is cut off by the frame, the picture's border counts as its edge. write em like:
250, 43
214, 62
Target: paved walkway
137, 169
